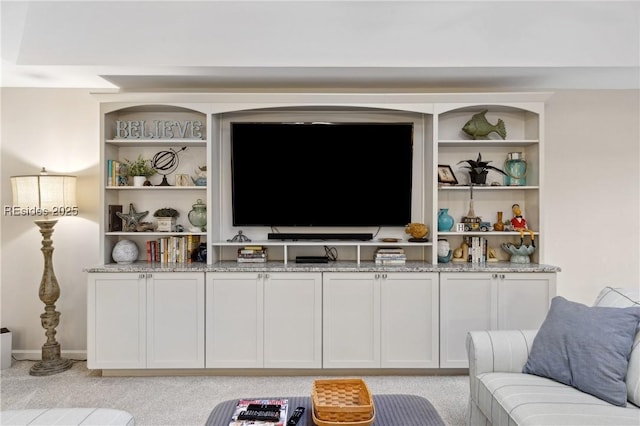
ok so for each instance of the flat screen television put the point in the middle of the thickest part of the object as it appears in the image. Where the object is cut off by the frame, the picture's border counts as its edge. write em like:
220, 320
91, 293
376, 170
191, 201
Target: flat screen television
321, 174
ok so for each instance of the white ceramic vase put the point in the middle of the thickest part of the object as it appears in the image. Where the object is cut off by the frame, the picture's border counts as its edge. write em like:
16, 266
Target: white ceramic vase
125, 252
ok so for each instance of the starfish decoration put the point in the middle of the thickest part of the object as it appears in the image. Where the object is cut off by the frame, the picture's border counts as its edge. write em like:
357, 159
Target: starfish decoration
131, 219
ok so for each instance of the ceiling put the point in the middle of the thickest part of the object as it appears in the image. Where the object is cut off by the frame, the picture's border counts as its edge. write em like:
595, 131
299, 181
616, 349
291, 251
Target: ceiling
248, 45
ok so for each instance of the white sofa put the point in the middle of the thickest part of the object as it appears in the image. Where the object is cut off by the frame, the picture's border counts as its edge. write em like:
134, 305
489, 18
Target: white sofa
67, 417
500, 394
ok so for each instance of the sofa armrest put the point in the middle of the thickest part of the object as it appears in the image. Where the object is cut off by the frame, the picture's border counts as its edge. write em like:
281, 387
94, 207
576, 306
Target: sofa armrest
503, 351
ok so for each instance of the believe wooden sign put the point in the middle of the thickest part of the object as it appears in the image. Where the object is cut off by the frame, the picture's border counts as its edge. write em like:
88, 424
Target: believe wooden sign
159, 129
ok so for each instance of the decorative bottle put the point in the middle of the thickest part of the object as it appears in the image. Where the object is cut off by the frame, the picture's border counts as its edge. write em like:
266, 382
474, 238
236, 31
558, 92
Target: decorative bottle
515, 168
198, 215
445, 220
499, 225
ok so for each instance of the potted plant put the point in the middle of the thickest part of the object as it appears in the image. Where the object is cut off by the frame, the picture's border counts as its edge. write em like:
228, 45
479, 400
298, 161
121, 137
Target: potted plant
479, 169
166, 219
140, 169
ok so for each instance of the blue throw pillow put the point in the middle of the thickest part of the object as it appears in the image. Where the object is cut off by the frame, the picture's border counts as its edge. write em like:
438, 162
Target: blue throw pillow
585, 347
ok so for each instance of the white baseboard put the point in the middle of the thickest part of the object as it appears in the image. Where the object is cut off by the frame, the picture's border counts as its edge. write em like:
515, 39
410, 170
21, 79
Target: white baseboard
36, 355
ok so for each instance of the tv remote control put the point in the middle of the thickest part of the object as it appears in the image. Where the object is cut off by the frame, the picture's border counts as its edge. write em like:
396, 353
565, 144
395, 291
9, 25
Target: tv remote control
296, 416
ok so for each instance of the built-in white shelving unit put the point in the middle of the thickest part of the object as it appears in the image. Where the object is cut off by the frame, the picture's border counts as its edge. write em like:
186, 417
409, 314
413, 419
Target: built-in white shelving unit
438, 139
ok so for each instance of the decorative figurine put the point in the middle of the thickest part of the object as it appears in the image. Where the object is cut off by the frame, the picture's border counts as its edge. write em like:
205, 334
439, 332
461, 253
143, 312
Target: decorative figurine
145, 227
519, 223
444, 251
239, 238
132, 219
457, 255
492, 256
479, 128
460, 254
520, 253
418, 232
202, 177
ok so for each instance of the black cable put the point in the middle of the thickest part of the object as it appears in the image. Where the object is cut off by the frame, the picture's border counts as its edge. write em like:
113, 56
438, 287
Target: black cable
377, 232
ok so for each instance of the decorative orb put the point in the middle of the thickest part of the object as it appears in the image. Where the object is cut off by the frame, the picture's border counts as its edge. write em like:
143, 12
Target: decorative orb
165, 161
125, 252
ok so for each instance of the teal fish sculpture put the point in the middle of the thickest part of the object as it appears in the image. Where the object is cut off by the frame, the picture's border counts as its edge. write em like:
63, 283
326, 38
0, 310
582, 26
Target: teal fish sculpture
479, 128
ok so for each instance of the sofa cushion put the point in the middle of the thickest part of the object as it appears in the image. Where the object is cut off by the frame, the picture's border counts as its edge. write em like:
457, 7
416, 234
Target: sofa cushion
524, 399
623, 298
585, 347
67, 416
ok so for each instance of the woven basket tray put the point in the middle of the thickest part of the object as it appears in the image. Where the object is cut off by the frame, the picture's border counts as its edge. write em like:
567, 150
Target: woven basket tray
343, 402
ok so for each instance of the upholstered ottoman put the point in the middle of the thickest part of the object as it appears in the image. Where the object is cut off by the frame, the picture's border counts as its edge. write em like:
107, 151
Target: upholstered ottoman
67, 416
391, 410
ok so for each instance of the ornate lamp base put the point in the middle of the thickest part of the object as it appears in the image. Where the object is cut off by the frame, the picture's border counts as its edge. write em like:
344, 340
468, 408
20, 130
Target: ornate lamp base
49, 292
51, 362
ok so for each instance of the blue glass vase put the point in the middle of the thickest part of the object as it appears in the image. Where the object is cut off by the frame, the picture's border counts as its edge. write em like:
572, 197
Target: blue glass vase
445, 220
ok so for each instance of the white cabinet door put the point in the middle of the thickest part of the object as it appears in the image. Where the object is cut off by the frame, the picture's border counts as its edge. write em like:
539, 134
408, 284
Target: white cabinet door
467, 302
116, 317
409, 320
489, 301
293, 320
175, 320
234, 312
523, 299
351, 320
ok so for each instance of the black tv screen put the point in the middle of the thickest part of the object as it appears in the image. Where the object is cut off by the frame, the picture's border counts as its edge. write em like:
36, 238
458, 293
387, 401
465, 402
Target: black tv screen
321, 174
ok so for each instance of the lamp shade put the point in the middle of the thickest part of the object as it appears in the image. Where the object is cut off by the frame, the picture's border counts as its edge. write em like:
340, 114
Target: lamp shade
45, 192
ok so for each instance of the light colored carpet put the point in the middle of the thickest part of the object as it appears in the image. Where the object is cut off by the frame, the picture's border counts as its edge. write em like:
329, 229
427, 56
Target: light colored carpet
188, 400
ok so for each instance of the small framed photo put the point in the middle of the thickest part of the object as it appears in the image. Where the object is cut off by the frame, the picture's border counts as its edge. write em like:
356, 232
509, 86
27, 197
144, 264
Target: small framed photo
182, 180
445, 175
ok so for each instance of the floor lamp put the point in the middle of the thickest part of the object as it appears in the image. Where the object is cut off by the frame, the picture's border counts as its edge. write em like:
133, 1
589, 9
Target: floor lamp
43, 195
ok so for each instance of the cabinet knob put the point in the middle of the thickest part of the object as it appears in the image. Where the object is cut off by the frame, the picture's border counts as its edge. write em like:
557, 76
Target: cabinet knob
494, 276
266, 276
502, 276
384, 276
141, 276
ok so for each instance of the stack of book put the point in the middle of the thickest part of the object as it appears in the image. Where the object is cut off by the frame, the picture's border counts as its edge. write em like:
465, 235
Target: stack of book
477, 249
173, 249
252, 254
390, 256
116, 175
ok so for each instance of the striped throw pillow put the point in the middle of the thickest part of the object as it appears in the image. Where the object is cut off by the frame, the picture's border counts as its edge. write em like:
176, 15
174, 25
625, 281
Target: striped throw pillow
623, 298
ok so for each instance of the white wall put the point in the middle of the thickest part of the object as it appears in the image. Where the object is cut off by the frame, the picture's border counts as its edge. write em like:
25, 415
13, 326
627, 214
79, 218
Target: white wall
593, 190
591, 198
57, 129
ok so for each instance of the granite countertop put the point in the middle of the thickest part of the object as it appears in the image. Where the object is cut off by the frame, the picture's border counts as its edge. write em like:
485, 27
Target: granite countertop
410, 266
